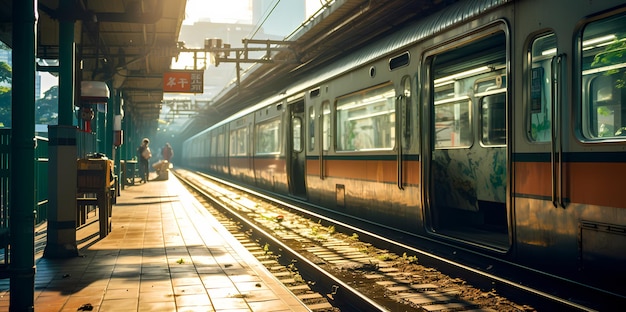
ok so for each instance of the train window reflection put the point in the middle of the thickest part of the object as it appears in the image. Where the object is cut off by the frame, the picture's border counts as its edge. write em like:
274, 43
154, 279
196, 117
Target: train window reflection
239, 142
233, 143
326, 126
268, 137
452, 123
493, 118
366, 119
297, 135
543, 50
461, 78
312, 133
213, 147
604, 79
405, 111
221, 150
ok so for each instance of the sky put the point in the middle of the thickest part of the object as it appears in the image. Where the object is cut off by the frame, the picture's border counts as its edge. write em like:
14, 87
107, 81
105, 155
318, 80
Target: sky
231, 11
218, 11
47, 81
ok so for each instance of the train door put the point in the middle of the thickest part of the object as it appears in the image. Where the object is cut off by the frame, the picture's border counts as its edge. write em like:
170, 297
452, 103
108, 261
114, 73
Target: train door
466, 146
297, 158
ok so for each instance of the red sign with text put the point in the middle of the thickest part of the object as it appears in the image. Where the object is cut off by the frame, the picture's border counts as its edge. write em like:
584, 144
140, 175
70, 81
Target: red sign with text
183, 81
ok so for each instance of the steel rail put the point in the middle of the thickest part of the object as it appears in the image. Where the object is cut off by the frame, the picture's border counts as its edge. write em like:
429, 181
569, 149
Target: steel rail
563, 302
341, 292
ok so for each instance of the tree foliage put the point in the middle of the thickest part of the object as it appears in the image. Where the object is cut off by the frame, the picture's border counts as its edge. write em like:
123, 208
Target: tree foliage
46, 108
5, 94
614, 53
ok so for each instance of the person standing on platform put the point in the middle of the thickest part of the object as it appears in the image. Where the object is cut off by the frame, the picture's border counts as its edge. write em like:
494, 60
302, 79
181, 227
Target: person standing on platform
144, 154
167, 152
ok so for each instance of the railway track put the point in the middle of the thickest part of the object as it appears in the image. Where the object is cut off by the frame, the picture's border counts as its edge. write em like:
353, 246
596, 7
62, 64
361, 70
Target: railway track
331, 267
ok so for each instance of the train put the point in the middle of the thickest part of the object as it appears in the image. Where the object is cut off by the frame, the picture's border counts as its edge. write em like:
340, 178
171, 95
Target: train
498, 126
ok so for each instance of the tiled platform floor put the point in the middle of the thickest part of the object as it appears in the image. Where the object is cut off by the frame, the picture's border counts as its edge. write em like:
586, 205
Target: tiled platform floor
165, 253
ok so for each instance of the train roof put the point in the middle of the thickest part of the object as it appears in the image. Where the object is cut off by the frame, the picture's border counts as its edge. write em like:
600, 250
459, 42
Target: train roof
457, 13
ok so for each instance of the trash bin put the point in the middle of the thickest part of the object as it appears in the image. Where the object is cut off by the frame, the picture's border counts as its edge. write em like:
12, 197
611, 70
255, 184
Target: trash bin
162, 168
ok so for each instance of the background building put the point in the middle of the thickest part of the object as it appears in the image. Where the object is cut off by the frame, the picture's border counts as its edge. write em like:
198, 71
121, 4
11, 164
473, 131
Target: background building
278, 18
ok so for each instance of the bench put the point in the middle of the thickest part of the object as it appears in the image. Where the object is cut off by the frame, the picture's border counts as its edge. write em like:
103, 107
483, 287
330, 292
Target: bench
95, 177
85, 200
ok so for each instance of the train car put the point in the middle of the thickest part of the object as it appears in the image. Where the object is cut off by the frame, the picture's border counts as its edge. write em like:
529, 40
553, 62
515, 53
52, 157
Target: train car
495, 125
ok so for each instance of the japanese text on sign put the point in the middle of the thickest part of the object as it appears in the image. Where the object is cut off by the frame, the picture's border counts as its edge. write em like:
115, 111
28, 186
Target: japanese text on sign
183, 81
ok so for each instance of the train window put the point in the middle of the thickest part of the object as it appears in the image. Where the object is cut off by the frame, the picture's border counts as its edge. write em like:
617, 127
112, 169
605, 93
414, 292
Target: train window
326, 126
242, 142
399, 61
493, 119
452, 124
297, 135
239, 142
220, 145
312, 132
469, 74
604, 79
366, 119
268, 137
212, 147
405, 111
206, 146
543, 50
233, 143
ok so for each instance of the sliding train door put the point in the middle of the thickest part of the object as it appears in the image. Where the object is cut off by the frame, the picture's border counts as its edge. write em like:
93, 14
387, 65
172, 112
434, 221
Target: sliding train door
466, 146
297, 159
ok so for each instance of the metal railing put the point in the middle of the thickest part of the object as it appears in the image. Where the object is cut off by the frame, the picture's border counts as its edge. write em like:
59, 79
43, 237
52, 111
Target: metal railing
85, 142
41, 179
5, 173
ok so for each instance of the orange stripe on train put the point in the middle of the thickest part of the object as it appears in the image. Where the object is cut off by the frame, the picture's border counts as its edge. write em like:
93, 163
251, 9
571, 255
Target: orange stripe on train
385, 171
584, 182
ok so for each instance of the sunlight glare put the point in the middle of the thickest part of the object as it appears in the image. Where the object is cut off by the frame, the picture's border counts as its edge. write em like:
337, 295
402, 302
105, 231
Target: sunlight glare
218, 11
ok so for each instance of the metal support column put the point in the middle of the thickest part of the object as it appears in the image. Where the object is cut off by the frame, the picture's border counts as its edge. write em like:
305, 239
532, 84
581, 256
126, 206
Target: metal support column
62, 153
129, 136
101, 132
108, 125
22, 199
117, 155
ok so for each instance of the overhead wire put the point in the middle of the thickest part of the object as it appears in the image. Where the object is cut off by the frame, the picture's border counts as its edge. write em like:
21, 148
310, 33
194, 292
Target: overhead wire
258, 26
265, 15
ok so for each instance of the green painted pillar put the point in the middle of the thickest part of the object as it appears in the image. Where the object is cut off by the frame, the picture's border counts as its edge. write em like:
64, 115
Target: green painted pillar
116, 111
101, 132
129, 137
66, 68
108, 126
62, 167
22, 200
127, 146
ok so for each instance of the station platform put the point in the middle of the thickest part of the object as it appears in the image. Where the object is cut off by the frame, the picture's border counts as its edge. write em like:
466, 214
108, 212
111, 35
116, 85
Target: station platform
164, 253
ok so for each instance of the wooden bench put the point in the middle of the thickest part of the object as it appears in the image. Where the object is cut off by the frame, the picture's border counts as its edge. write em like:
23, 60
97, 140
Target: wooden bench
95, 177
85, 200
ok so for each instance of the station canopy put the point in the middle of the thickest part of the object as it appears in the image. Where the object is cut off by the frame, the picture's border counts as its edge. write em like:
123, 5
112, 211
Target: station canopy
132, 43
128, 42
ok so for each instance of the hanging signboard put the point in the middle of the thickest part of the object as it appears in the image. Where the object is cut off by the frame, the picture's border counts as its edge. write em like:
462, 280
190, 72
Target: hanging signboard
183, 81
